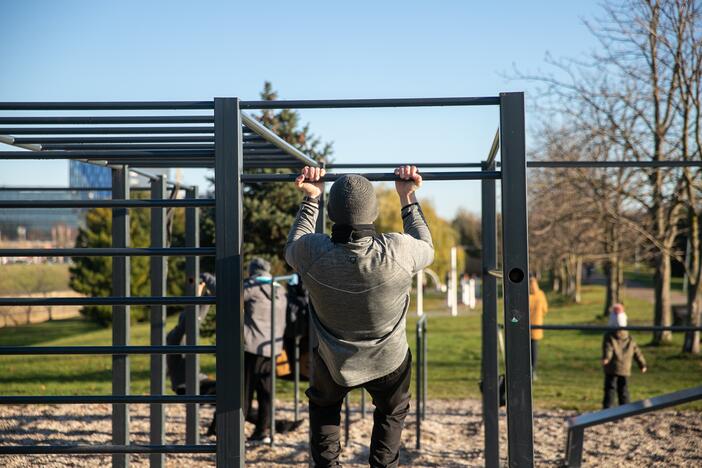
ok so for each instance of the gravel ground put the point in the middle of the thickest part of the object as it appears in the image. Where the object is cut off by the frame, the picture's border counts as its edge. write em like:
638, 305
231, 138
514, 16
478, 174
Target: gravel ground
452, 437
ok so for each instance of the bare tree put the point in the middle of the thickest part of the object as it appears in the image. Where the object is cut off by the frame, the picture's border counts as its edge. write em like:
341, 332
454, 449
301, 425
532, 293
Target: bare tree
629, 93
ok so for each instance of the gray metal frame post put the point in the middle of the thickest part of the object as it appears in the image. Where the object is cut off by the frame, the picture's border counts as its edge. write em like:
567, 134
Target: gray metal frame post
120, 315
421, 377
425, 369
489, 325
229, 269
347, 420
515, 261
296, 373
272, 408
574, 446
192, 321
158, 273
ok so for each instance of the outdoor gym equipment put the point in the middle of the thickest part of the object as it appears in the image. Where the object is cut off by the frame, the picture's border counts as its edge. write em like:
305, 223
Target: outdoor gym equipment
217, 134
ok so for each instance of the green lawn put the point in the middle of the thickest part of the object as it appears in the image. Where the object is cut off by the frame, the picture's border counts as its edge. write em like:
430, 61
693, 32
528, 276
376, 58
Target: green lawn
20, 278
569, 372
644, 278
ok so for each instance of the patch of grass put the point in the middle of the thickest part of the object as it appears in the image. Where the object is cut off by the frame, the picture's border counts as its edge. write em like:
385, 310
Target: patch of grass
643, 277
19, 278
570, 375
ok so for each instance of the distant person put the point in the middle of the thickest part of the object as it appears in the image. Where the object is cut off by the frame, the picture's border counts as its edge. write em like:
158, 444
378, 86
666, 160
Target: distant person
538, 308
359, 282
468, 291
208, 285
257, 342
618, 349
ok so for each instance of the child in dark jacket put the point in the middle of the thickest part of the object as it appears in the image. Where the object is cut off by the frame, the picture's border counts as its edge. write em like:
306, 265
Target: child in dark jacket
618, 350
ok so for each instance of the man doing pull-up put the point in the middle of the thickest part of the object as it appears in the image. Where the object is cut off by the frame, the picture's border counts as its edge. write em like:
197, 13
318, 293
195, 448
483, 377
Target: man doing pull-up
359, 283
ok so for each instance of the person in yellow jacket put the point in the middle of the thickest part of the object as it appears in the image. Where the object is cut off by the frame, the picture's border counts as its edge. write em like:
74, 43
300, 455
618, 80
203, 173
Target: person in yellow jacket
538, 307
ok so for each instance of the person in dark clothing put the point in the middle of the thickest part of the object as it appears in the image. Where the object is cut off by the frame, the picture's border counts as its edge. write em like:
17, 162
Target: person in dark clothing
297, 328
257, 342
359, 283
618, 351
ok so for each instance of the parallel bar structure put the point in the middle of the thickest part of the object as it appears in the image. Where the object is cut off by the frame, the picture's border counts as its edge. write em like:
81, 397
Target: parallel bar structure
577, 424
229, 141
158, 273
120, 316
490, 368
515, 264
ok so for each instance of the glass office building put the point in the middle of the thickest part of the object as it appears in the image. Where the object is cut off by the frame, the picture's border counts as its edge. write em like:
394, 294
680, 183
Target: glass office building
81, 175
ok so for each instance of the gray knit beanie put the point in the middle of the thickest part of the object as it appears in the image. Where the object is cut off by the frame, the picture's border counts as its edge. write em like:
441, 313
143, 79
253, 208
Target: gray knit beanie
259, 266
352, 200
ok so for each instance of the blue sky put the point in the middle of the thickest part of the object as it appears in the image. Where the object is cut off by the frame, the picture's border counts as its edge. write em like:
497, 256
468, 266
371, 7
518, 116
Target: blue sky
181, 50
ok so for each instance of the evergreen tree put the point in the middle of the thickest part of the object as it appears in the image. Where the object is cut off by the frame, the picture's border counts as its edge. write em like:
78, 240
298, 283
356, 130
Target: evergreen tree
92, 276
269, 208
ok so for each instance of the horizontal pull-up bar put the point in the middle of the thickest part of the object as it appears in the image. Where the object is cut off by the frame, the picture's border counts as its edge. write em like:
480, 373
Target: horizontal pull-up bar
104, 449
20, 188
612, 164
157, 145
492, 154
377, 176
109, 300
394, 165
117, 105
101, 130
103, 120
115, 139
605, 328
365, 103
111, 252
102, 399
135, 203
107, 350
103, 155
274, 139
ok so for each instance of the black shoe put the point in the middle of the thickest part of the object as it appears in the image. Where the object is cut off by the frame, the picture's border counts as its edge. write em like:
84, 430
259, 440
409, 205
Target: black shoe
281, 427
260, 437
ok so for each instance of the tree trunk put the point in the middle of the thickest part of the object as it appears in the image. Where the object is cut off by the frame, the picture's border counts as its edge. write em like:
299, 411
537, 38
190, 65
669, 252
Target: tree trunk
691, 344
562, 278
662, 313
612, 275
578, 278
555, 286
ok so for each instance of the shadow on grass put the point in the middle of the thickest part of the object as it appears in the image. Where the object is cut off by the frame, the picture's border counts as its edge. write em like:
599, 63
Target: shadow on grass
26, 335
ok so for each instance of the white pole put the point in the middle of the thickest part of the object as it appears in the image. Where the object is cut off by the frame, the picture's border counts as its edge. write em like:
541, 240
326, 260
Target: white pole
454, 283
420, 293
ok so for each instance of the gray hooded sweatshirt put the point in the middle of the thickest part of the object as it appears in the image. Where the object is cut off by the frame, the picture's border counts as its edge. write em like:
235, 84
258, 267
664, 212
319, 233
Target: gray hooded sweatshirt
360, 292
257, 316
